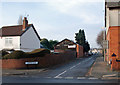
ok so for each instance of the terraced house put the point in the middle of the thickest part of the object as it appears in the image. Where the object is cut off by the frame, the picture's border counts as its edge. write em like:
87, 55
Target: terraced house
19, 37
112, 24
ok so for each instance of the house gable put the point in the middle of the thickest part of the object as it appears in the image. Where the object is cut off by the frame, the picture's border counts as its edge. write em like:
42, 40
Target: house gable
30, 39
64, 44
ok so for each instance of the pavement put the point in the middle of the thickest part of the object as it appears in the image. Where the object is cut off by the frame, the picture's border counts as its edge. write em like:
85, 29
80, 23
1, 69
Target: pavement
101, 70
6, 72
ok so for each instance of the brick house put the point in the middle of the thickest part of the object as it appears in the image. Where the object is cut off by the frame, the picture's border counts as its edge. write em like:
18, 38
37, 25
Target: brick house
112, 24
67, 44
19, 37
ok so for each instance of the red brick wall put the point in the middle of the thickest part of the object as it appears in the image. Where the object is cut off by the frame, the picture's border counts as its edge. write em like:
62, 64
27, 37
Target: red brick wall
115, 65
113, 36
79, 50
59, 50
45, 61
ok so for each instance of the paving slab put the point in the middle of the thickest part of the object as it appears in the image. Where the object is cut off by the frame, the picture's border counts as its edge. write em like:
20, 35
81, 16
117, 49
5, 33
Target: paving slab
21, 71
101, 70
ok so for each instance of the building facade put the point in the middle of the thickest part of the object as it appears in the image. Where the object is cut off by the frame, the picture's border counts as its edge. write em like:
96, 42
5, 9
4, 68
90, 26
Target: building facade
19, 37
112, 24
67, 44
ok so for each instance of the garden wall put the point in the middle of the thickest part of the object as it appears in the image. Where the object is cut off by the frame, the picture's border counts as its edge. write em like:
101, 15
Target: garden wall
79, 50
115, 64
45, 61
113, 36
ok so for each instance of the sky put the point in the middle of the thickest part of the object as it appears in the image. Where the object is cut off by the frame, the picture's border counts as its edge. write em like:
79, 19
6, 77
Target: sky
57, 19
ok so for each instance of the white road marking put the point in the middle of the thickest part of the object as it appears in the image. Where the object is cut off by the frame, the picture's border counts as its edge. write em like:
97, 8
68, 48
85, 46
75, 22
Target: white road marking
81, 77
58, 77
68, 77
73, 67
60, 74
92, 78
110, 78
110, 75
80, 63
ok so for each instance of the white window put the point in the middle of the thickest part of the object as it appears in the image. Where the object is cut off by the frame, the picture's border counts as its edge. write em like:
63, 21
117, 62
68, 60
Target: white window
8, 42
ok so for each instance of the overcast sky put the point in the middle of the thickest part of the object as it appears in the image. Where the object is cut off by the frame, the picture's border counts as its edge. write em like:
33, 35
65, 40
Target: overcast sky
58, 19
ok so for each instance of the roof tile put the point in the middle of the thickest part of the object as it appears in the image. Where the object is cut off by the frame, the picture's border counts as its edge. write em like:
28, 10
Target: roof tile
12, 30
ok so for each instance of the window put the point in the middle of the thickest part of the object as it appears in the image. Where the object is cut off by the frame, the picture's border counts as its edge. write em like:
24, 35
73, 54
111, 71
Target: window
8, 42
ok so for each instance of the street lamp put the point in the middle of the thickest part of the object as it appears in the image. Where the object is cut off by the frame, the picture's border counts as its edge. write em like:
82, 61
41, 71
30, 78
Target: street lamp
104, 41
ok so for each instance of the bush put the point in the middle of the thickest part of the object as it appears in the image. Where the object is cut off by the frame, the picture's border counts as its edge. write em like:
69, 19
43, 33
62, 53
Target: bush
15, 55
3, 52
21, 54
38, 52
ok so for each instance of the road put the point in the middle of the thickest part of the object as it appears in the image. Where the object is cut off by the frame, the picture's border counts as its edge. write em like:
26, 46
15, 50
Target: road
73, 72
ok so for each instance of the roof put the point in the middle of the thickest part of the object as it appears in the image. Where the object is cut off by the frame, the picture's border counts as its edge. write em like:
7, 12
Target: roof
15, 30
67, 40
113, 4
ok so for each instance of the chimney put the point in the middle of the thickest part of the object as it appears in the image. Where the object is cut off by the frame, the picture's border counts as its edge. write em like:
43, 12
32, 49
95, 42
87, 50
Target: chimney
25, 23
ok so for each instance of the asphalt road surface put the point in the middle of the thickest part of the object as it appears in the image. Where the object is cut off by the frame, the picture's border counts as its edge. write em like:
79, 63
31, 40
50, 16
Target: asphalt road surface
73, 72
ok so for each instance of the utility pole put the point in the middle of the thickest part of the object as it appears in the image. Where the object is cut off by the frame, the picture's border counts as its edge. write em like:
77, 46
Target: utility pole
104, 43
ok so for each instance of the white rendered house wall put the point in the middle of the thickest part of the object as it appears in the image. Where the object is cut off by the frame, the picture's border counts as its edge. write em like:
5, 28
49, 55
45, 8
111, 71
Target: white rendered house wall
113, 17
29, 41
10, 42
1, 43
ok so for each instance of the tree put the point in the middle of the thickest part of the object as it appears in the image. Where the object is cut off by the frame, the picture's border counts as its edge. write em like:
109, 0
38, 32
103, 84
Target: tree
99, 39
45, 43
80, 37
52, 43
20, 21
81, 40
86, 47
48, 44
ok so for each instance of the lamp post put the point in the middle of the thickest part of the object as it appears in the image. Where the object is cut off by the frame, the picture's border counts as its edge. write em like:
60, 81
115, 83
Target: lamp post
104, 41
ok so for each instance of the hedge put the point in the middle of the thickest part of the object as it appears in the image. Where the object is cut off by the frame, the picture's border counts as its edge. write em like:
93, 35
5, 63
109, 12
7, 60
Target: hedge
3, 52
20, 54
38, 52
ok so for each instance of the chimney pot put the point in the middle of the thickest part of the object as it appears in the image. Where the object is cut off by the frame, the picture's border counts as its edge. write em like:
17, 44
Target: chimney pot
25, 23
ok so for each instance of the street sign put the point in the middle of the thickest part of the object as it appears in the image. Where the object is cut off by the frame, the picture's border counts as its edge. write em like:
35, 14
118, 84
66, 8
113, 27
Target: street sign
31, 63
105, 44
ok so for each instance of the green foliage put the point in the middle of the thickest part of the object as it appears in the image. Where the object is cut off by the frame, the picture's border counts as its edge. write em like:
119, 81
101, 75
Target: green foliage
3, 52
45, 43
80, 37
52, 43
48, 44
38, 52
81, 40
15, 55
86, 47
21, 54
